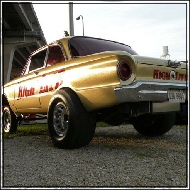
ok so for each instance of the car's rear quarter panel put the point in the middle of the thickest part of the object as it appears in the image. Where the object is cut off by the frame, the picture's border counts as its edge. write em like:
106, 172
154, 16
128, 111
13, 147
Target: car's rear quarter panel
148, 70
94, 79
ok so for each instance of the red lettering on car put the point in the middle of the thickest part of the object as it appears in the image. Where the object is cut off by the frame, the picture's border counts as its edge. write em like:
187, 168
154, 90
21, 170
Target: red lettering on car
167, 75
24, 92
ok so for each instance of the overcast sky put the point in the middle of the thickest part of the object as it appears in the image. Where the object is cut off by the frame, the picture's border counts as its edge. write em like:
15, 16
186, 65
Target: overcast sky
145, 26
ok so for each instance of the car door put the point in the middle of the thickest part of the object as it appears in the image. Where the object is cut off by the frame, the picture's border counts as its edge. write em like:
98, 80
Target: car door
53, 79
27, 90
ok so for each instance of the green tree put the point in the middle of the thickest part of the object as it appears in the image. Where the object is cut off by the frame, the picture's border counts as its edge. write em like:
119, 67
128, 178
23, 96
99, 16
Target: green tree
66, 33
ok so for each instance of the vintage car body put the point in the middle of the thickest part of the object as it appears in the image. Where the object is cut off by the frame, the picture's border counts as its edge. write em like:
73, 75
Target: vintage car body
94, 80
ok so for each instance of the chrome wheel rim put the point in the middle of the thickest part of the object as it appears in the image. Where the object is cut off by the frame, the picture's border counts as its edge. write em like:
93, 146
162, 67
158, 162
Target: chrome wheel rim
6, 121
60, 119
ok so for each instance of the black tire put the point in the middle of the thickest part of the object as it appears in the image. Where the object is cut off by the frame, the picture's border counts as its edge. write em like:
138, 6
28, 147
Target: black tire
154, 125
70, 125
9, 120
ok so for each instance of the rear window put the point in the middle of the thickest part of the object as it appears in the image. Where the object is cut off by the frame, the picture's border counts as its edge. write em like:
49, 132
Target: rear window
82, 46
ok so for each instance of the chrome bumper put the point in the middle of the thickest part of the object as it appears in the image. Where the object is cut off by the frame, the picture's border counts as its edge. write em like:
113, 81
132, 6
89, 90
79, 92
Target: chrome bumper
147, 91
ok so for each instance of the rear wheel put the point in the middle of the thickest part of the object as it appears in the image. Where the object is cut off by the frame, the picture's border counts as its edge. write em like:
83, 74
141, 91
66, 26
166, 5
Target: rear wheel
154, 125
9, 120
70, 125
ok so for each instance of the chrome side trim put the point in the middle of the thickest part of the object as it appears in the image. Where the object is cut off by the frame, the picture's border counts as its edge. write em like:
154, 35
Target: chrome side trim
152, 91
146, 91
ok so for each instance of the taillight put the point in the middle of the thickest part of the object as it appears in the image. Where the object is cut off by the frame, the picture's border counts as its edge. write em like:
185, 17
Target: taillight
124, 70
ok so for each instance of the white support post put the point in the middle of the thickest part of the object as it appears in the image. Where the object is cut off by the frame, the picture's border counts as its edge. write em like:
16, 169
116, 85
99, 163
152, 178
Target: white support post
7, 62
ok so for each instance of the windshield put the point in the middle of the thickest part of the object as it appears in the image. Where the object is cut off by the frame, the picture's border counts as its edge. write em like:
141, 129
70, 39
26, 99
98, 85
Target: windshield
82, 46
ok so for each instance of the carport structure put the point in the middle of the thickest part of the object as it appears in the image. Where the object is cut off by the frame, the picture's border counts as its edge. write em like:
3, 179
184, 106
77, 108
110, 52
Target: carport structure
21, 34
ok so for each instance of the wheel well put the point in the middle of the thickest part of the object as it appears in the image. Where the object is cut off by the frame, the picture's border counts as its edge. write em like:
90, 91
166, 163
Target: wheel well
69, 89
52, 99
4, 100
66, 88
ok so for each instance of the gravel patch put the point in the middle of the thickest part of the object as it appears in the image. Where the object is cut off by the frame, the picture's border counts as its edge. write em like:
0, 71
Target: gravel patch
116, 157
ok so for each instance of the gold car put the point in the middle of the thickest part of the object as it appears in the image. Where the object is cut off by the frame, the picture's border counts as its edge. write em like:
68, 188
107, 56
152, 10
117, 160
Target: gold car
78, 81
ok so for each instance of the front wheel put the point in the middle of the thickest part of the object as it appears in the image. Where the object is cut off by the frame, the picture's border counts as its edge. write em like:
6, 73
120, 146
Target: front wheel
70, 125
9, 120
154, 125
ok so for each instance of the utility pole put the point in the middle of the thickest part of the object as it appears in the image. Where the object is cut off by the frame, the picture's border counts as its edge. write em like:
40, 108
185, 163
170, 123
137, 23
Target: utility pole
71, 25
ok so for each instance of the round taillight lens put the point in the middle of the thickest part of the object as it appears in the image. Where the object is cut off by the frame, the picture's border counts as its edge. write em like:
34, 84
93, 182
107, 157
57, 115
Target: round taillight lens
124, 70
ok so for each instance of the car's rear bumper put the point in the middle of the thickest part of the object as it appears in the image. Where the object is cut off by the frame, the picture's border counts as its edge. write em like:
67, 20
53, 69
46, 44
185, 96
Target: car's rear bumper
147, 91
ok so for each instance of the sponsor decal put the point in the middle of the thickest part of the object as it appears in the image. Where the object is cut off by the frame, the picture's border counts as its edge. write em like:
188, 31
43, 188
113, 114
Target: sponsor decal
45, 88
48, 88
58, 84
24, 92
172, 75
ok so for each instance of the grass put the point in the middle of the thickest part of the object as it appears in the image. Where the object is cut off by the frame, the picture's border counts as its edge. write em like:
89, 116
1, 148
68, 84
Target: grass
36, 129
28, 130
41, 129
101, 124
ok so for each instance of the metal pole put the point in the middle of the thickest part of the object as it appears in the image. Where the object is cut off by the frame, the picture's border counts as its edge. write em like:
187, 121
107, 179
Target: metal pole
82, 24
78, 18
71, 25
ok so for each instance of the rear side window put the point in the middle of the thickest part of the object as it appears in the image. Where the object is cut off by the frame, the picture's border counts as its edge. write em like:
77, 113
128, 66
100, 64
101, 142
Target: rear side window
82, 46
55, 55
